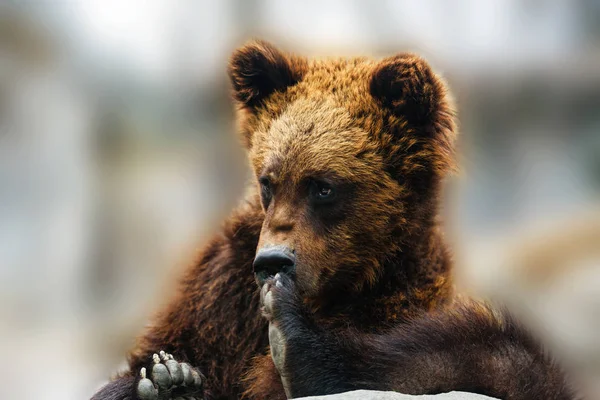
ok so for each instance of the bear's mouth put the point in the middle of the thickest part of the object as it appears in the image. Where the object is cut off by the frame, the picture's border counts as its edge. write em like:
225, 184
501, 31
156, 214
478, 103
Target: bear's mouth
263, 275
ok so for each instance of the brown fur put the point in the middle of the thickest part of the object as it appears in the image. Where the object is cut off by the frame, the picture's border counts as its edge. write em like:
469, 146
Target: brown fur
382, 132
212, 322
312, 115
332, 121
262, 380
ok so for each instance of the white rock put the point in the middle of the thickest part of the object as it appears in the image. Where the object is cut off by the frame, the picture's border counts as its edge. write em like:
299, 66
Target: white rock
377, 395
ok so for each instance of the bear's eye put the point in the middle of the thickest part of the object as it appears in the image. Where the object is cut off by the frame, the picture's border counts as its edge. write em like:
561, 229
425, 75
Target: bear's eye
321, 192
265, 190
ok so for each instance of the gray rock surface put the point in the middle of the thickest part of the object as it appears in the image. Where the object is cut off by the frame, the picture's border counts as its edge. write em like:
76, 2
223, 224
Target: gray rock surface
376, 395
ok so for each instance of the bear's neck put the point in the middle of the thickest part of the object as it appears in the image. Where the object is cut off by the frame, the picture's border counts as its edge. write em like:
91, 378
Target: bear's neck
415, 279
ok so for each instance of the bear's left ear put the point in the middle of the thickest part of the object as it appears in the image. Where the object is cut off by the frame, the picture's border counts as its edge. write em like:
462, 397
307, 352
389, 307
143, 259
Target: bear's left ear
407, 86
258, 69
412, 92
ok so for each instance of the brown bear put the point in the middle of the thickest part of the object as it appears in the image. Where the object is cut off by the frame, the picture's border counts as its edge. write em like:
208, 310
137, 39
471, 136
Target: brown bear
340, 230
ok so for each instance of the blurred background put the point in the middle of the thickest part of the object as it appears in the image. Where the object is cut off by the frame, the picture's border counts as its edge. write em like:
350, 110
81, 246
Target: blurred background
118, 157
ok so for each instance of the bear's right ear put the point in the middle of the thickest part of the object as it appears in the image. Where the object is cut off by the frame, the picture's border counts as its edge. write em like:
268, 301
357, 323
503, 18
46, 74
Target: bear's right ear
258, 69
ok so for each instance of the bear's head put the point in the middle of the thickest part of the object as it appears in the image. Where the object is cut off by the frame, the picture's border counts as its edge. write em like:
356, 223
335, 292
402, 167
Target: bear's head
348, 156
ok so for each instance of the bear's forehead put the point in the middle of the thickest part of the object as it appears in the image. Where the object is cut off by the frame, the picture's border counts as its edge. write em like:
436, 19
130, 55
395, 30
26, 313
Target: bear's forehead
345, 74
313, 135
346, 81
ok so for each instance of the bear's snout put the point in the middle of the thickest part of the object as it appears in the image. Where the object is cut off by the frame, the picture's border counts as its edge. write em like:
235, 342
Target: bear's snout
271, 260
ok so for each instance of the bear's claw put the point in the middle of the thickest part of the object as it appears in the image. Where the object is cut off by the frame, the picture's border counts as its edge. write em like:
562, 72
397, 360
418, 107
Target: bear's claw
268, 302
170, 379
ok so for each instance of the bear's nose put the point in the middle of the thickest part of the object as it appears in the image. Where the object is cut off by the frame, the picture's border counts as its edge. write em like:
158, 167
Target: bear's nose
271, 260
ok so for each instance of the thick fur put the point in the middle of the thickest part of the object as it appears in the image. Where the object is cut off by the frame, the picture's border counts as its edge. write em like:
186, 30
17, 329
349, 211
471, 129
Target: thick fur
470, 348
121, 388
372, 268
